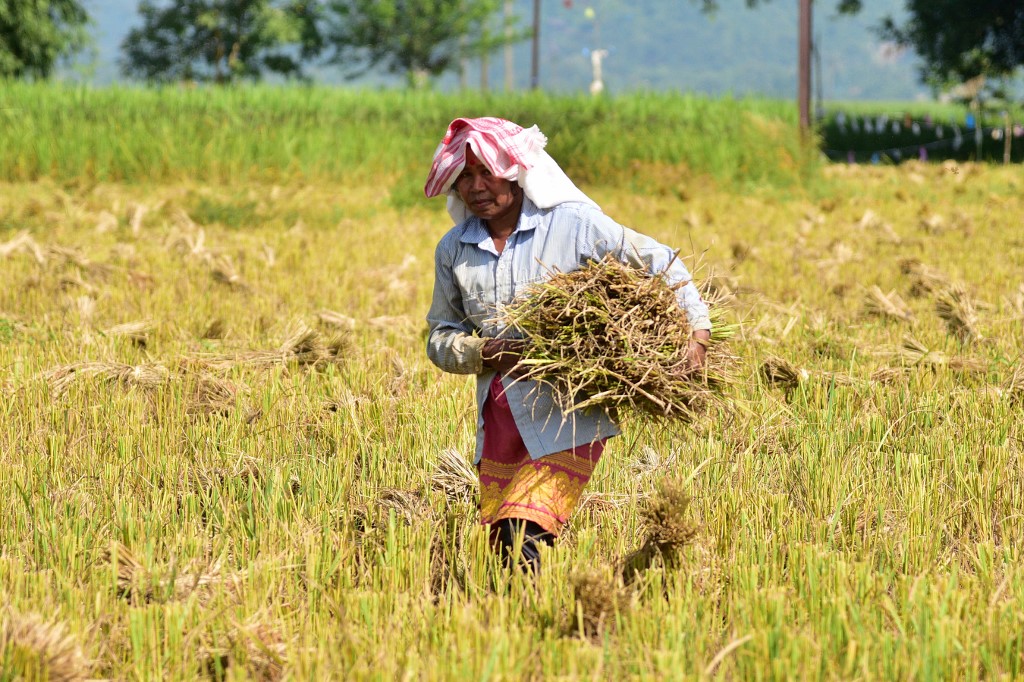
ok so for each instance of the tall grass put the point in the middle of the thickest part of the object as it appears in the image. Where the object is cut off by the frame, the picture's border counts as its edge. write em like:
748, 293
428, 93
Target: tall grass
267, 133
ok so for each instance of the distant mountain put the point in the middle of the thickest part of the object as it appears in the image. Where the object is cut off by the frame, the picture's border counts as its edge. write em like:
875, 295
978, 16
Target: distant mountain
652, 45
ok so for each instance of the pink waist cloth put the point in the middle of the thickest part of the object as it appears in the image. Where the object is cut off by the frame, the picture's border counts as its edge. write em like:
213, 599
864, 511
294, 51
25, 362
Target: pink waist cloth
501, 435
502, 442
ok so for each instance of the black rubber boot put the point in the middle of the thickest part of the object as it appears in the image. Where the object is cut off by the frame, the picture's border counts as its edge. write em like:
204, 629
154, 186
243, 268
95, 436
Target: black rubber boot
507, 534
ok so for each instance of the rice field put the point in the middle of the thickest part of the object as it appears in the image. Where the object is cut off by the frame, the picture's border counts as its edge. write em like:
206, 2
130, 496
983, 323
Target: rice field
224, 454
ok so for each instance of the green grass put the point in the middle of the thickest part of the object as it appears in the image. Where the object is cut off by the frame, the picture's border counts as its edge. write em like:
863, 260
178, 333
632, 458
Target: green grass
863, 523
322, 134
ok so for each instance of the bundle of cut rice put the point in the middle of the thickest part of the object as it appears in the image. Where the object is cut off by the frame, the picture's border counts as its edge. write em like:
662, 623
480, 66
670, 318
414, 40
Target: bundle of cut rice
611, 336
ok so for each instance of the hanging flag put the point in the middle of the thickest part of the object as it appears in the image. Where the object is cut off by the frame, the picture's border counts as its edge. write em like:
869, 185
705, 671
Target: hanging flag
939, 132
916, 128
922, 154
969, 122
896, 127
851, 157
567, 4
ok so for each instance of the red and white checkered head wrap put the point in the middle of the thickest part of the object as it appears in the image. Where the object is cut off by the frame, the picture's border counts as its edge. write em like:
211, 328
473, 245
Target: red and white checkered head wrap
509, 151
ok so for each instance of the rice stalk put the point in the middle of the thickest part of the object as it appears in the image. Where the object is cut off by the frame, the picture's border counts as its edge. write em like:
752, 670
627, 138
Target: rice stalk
454, 476
106, 222
73, 256
668, 528
136, 332
215, 328
189, 239
648, 461
781, 372
146, 376
136, 212
302, 345
23, 242
913, 353
609, 336
448, 562
211, 395
32, 648
599, 598
955, 307
887, 305
924, 279
265, 651
223, 270
138, 585
1013, 385
337, 320
408, 505
888, 375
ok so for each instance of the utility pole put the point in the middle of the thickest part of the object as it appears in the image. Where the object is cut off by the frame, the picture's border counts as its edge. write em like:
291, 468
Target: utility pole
510, 79
804, 69
535, 57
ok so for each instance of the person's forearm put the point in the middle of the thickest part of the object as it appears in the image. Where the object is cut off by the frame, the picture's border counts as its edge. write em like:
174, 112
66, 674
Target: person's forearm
455, 351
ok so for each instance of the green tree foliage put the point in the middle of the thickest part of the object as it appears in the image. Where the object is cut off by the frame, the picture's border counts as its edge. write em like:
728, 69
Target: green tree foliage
35, 34
221, 40
960, 40
416, 38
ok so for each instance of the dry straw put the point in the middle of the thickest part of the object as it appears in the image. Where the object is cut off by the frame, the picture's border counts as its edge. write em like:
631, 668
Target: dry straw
610, 336
454, 476
913, 352
954, 305
783, 373
924, 279
599, 599
889, 305
668, 528
302, 345
32, 648
135, 332
146, 376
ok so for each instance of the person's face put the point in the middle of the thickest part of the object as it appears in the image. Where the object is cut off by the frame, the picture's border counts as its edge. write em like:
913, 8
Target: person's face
488, 197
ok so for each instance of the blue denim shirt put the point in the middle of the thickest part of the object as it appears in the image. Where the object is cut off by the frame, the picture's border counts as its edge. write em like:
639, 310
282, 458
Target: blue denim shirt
473, 283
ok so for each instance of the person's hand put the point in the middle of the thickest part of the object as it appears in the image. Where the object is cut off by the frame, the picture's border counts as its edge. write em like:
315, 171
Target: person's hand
696, 352
503, 356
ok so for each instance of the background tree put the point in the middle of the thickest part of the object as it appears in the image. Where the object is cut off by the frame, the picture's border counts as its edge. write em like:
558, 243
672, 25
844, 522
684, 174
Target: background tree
415, 38
221, 40
36, 34
959, 41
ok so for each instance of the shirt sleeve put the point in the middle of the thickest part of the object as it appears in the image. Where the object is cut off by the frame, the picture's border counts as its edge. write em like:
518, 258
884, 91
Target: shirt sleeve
600, 235
451, 345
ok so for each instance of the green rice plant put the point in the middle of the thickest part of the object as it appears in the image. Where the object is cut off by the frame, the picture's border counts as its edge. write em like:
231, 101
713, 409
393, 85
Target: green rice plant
274, 134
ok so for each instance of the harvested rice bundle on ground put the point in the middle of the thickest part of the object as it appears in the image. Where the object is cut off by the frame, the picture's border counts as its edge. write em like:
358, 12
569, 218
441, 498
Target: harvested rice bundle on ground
610, 336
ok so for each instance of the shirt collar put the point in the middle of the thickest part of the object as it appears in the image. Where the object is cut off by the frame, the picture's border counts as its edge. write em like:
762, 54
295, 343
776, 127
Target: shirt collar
474, 231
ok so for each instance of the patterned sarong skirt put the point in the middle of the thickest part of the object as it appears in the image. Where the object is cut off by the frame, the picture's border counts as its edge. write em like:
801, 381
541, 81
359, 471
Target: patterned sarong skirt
514, 486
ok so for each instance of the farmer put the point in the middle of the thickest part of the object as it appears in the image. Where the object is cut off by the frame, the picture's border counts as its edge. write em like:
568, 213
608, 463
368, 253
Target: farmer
518, 218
